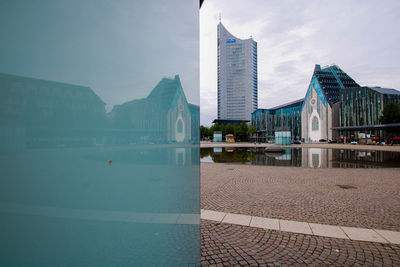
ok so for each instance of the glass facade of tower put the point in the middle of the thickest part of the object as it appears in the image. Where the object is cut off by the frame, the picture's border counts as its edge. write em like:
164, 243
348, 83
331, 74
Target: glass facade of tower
282, 118
237, 76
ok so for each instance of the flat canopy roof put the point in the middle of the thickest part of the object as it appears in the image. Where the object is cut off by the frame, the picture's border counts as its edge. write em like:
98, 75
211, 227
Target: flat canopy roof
298, 102
225, 122
386, 91
365, 127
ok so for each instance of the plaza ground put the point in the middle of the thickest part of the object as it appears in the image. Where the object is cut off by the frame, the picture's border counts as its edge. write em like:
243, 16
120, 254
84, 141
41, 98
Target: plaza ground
304, 195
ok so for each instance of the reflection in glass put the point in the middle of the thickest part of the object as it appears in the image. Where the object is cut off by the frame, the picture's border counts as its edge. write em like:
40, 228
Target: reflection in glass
99, 150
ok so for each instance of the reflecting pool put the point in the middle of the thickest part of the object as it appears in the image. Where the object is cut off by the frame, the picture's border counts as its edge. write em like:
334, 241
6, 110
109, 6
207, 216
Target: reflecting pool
303, 157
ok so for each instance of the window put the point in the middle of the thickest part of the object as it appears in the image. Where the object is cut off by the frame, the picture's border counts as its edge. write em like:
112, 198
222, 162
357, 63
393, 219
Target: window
179, 126
315, 124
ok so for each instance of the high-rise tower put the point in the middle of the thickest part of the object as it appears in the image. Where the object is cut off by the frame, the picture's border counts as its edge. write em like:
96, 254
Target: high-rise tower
237, 76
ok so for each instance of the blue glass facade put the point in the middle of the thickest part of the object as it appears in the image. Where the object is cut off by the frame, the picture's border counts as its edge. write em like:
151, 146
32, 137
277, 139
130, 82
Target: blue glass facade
331, 80
282, 118
360, 110
334, 103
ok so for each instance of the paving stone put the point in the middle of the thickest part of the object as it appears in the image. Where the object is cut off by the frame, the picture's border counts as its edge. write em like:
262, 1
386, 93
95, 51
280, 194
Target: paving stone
237, 219
295, 227
277, 248
265, 223
391, 236
304, 194
327, 230
212, 215
363, 234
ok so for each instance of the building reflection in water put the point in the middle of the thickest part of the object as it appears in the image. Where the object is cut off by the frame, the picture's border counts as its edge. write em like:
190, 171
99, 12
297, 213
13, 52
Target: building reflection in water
317, 158
217, 149
306, 157
350, 158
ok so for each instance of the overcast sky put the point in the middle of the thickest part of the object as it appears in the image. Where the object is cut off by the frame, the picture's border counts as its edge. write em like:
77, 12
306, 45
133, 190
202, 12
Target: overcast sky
362, 37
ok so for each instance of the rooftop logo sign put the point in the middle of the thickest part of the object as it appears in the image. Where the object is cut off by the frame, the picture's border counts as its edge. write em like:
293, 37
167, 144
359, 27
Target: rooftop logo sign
229, 41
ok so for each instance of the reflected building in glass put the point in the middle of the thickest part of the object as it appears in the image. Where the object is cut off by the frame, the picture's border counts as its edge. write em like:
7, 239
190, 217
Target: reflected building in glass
37, 103
164, 116
99, 153
73, 153
42, 113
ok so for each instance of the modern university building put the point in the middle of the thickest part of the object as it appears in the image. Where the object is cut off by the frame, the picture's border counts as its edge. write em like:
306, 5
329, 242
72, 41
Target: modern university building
319, 113
284, 118
360, 109
237, 76
335, 107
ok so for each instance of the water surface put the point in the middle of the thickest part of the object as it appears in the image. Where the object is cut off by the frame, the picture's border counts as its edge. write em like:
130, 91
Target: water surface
303, 157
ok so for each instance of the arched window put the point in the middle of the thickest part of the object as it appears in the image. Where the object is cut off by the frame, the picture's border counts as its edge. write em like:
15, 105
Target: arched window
315, 126
179, 126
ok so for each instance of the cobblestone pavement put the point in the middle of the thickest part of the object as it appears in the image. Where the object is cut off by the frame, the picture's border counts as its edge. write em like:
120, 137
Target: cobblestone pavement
304, 194
233, 245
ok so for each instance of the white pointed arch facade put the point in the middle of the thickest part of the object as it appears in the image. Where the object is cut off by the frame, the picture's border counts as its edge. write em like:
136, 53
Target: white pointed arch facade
316, 115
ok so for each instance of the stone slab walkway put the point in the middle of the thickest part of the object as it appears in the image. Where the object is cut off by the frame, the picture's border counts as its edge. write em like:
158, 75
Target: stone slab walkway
352, 233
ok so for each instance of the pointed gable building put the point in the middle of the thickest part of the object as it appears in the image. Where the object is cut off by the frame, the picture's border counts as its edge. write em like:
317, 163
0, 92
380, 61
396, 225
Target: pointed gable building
164, 116
321, 103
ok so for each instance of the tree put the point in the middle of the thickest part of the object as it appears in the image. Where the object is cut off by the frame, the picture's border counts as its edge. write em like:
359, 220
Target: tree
222, 129
236, 130
214, 128
204, 132
390, 114
229, 129
243, 129
252, 130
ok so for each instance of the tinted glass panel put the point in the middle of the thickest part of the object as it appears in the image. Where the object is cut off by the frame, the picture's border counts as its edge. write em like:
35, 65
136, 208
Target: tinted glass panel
99, 123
